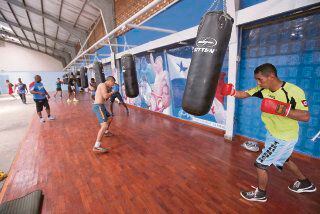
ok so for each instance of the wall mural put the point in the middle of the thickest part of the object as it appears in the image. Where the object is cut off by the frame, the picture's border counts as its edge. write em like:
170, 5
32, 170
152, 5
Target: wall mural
162, 77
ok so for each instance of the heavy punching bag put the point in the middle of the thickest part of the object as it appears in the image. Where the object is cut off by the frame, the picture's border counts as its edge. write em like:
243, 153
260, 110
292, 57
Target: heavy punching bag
130, 76
65, 78
78, 80
98, 72
207, 58
84, 77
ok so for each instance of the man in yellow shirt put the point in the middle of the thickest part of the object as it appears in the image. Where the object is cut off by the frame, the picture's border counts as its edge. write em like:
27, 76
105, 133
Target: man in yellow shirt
283, 105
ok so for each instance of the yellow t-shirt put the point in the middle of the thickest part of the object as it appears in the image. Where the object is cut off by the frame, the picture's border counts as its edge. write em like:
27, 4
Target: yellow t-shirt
280, 127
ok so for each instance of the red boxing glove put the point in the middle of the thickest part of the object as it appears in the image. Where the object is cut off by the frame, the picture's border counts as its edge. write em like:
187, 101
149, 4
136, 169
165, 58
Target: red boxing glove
228, 89
275, 107
31, 85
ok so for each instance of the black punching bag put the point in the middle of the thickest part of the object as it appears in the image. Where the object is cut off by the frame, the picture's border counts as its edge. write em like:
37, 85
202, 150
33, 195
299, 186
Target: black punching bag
98, 72
84, 77
130, 76
65, 78
207, 58
78, 81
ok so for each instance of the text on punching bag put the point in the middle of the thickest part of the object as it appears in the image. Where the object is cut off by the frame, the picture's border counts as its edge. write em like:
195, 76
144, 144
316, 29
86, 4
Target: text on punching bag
205, 45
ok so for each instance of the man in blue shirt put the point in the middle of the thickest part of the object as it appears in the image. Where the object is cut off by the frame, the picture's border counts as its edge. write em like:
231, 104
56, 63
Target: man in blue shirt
40, 96
21, 90
116, 94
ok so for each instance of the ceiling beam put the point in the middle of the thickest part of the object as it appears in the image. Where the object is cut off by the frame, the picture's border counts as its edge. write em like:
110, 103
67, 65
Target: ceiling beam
61, 3
9, 24
63, 43
32, 42
141, 27
15, 17
43, 29
34, 36
79, 33
84, 4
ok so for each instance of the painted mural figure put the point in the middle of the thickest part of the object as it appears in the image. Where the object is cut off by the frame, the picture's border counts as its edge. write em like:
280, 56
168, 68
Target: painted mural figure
160, 95
178, 65
146, 70
145, 92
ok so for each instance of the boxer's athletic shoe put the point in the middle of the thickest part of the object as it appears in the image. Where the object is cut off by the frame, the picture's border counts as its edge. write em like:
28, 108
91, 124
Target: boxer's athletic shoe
100, 149
256, 195
51, 117
251, 146
302, 186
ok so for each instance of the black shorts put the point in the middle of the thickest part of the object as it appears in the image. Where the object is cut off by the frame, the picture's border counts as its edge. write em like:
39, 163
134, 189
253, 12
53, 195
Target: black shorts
59, 89
116, 95
71, 88
41, 103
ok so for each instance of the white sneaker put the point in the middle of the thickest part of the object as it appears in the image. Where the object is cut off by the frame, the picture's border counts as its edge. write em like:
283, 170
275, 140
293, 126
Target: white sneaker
75, 100
68, 100
51, 117
42, 120
100, 149
251, 146
108, 134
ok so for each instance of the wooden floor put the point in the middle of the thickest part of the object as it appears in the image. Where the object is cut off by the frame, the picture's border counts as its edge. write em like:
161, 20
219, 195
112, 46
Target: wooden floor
156, 165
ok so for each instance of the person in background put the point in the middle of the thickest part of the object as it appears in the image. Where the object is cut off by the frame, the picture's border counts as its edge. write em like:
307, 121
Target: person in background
10, 89
72, 89
40, 96
21, 90
116, 94
93, 88
58, 88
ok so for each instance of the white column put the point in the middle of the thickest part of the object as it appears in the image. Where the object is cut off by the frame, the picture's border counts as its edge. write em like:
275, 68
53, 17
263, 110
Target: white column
232, 6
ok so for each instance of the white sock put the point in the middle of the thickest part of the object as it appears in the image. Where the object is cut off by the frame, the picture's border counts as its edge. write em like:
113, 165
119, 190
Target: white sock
97, 144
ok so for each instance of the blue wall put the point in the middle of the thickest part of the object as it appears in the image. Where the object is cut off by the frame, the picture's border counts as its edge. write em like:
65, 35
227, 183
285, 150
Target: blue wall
180, 16
161, 89
92, 58
48, 79
294, 48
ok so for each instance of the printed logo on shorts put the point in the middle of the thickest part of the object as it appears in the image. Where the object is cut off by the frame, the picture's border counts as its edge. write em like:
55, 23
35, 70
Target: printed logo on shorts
304, 103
